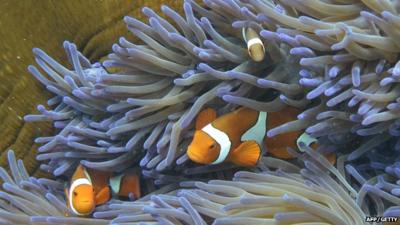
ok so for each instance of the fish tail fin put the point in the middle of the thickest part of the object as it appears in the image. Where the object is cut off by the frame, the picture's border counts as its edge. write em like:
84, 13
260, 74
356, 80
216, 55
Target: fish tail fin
130, 184
330, 156
246, 154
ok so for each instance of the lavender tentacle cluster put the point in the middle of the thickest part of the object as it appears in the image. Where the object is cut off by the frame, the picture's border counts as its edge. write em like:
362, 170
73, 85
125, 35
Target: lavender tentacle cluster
376, 176
336, 60
349, 56
276, 192
140, 103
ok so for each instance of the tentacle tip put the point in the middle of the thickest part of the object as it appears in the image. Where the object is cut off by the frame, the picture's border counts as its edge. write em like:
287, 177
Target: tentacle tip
202, 66
146, 10
204, 20
66, 43
128, 19
10, 154
187, 5
286, 197
227, 98
263, 82
301, 116
7, 186
165, 8
367, 15
303, 18
310, 96
84, 162
271, 133
31, 68
66, 99
208, 43
36, 51
385, 14
27, 118
367, 121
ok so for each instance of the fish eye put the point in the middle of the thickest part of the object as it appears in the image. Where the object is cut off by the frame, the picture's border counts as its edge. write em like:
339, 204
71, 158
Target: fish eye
75, 193
213, 145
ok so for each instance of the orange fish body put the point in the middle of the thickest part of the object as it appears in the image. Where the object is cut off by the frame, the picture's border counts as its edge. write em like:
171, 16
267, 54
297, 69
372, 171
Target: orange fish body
277, 145
237, 136
90, 188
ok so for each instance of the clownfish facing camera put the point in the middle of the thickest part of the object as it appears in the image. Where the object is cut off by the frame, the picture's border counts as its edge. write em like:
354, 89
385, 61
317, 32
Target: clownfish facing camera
237, 137
90, 188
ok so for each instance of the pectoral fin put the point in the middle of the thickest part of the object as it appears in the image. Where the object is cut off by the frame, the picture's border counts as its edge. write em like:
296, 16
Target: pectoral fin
130, 185
205, 117
103, 196
66, 191
246, 154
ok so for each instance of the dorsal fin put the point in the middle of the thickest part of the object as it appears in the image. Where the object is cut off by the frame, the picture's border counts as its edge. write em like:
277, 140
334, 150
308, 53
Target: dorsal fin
81, 172
205, 117
78, 173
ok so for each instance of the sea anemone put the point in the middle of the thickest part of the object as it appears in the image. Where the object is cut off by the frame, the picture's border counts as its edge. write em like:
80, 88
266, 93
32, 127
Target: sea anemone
276, 192
376, 176
349, 58
335, 60
146, 107
31, 200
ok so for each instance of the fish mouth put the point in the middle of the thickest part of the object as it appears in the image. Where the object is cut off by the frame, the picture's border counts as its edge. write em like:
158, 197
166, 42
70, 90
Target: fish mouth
194, 156
85, 207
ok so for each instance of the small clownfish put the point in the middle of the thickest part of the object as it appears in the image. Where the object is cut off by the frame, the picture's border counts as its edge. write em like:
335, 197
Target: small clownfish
237, 136
255, 46
90, 188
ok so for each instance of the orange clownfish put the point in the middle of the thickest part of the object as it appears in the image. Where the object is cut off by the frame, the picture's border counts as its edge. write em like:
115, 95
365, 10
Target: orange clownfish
237, 136
90, 188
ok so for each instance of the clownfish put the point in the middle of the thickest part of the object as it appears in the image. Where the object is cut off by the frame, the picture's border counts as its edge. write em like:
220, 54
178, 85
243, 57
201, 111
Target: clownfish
255, 46
237, 137
89, 188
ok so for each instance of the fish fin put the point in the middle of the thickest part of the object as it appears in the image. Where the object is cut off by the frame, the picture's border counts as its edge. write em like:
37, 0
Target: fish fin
66, 191
103, 196
130, 184
246, 154
331, 157
205, 117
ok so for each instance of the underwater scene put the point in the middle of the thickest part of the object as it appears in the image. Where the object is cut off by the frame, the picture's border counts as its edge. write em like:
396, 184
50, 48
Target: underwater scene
246, 112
